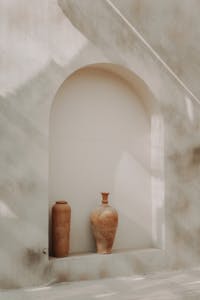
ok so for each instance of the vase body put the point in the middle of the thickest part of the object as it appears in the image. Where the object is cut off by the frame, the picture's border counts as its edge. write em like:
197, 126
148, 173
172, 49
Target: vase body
61, 217
104, 221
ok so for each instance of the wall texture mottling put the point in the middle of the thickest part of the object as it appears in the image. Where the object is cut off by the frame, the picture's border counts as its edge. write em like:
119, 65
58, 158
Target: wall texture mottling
172, 28
39, 48
180, 112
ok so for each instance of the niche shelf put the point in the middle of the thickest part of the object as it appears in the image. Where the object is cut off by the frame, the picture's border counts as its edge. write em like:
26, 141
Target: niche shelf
93, 266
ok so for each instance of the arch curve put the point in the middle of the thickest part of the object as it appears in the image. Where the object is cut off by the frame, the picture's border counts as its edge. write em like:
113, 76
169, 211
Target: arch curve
136, 82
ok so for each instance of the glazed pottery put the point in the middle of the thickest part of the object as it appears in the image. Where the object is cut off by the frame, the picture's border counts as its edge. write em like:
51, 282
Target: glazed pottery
61, 216
104, 221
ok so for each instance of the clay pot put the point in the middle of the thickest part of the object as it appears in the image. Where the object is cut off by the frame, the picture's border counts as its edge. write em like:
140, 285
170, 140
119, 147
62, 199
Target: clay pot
104, 221
61, 216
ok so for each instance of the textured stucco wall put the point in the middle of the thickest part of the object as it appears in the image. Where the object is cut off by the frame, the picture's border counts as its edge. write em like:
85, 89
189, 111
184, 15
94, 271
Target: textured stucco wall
39, 49
181, 114
172, 28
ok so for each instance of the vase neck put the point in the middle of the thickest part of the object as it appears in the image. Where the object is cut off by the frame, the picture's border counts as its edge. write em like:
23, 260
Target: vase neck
105, 198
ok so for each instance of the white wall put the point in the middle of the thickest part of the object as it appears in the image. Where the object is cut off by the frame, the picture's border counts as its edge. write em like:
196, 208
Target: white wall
100, 141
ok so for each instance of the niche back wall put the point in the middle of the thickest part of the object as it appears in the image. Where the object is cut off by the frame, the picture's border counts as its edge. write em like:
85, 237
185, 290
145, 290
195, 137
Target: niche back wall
100, 141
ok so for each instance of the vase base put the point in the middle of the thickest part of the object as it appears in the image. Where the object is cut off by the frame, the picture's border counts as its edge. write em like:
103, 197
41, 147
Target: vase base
104, 251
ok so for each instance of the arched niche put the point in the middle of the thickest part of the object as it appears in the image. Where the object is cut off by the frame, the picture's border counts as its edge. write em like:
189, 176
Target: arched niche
101, 138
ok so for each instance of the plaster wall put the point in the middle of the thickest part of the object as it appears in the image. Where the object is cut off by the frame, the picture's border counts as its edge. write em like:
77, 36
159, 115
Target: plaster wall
180, 109
39, 50
172, 28
32, 70
34, 63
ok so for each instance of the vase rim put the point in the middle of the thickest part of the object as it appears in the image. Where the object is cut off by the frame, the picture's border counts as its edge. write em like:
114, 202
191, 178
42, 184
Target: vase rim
61, 202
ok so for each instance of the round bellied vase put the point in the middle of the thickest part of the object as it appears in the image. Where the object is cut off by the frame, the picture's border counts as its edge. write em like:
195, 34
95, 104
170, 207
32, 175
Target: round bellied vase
104, 221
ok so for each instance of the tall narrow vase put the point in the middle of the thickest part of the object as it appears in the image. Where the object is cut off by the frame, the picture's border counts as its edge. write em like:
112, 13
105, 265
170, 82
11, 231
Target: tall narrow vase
104, 221
61, 216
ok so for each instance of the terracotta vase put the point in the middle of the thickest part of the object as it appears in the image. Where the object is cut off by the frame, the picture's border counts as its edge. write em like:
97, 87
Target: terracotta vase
61, 216
104, 221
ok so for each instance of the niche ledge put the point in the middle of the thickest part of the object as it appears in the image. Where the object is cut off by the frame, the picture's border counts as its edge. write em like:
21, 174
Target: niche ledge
93, 266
